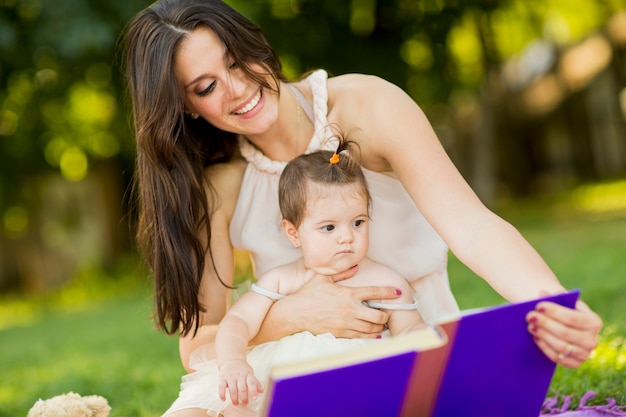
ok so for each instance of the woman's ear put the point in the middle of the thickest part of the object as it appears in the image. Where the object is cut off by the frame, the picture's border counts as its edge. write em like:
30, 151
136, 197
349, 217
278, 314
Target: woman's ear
291, 232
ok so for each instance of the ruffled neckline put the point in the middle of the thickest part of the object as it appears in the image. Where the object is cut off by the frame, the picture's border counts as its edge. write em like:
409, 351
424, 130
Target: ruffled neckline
317, 83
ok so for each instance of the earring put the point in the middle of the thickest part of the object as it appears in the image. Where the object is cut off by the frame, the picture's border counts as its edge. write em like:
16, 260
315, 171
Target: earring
192, 115
296, 245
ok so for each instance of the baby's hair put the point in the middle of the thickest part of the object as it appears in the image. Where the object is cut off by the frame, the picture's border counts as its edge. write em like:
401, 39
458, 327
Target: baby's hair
319, 168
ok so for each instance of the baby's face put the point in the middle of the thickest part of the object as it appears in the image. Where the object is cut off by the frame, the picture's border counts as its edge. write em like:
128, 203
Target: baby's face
334, 234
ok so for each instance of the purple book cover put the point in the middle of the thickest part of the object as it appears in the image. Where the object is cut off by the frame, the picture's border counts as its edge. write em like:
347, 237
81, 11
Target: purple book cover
370, 389
495, 368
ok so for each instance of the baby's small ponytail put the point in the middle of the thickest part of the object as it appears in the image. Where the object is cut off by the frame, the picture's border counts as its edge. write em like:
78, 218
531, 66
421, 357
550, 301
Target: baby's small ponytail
344, 157
323, 167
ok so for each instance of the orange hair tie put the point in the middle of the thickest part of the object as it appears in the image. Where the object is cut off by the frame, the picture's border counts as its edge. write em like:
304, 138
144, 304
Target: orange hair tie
334, 159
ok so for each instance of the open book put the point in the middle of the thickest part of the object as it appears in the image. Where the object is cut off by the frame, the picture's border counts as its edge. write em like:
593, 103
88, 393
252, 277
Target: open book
483, 363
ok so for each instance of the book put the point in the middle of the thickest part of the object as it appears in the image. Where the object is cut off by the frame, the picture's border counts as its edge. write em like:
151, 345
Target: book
482, 363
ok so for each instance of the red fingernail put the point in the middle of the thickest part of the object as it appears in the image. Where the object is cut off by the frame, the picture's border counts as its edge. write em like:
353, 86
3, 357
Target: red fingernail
378, 336
534, 329
398, 292
541, 309
533, 319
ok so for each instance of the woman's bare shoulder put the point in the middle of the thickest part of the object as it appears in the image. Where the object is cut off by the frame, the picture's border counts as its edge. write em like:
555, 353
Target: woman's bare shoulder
364, 100
365, 92
362, 106
347, 85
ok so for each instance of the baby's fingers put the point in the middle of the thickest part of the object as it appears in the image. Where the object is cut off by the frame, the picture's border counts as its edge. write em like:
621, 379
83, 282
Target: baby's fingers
254, 387
231, 386
242, 393
221, 389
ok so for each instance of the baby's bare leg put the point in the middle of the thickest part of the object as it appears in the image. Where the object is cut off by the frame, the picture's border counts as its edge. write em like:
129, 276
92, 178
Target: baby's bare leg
240, 411
189, 412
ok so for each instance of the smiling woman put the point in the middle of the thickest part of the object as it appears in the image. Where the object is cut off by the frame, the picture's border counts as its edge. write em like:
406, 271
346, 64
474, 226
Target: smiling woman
216, 122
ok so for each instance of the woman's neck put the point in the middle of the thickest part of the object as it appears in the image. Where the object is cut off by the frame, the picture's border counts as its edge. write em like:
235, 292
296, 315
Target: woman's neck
290, 134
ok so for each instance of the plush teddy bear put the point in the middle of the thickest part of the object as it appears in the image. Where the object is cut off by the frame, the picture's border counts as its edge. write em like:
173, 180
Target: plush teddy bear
71, 405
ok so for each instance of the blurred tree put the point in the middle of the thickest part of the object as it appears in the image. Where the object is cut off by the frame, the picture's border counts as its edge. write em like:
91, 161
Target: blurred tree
64, 138
475, 67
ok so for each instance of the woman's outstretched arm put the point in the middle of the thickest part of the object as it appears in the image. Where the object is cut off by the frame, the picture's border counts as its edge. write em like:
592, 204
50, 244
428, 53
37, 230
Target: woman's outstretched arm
396, 136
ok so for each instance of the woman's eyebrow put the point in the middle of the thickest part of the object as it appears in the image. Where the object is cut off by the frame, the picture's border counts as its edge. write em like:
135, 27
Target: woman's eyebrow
202, 76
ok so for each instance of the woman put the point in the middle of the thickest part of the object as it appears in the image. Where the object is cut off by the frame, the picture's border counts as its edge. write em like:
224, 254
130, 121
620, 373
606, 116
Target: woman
216, 121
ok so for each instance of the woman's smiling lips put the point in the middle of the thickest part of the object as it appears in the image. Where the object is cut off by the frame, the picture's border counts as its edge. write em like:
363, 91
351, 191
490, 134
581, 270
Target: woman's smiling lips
251, 107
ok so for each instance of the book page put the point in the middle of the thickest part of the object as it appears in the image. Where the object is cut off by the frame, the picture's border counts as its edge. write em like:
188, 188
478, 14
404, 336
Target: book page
421, 339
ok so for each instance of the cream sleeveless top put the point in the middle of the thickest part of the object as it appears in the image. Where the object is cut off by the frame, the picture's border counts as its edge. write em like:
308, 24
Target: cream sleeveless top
400, 237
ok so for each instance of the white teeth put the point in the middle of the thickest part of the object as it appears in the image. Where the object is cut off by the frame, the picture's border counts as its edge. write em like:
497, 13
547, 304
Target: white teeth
250, 105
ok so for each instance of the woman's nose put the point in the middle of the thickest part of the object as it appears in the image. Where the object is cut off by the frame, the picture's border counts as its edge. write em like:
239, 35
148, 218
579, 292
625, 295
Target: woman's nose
237, 83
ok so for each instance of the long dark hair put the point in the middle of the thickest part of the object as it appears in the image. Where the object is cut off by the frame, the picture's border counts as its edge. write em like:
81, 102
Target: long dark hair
173, 150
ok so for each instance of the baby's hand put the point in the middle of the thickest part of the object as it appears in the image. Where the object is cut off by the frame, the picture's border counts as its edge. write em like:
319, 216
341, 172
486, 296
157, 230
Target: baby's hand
238, 378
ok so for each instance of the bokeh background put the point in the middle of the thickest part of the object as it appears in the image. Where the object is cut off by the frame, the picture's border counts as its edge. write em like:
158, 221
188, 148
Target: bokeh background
527, 96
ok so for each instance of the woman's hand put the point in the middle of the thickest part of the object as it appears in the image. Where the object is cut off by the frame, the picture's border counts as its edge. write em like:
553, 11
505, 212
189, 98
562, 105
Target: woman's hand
339, 310
321, 306
567, 336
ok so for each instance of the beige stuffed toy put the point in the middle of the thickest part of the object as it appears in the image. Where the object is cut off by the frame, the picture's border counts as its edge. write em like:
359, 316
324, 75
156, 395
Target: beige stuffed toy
71, 405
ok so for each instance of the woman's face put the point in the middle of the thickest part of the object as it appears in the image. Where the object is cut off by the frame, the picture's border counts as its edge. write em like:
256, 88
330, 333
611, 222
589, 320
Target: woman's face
218, 90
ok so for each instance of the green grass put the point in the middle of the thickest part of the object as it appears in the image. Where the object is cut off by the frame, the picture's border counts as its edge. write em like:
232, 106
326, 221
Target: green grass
99, 339
108, 348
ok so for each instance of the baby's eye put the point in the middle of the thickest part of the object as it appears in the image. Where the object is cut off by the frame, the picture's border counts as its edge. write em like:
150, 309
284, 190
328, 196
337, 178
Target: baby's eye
328, 228
207, 90
359, 222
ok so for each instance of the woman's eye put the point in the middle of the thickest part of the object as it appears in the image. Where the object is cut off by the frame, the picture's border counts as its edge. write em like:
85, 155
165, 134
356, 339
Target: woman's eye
207, 90
328, 228
233, 65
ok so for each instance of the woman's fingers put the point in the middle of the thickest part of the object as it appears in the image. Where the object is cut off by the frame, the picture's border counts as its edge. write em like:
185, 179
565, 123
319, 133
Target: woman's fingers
375, 293
560, 351
362, 322
567, 336
339, 309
